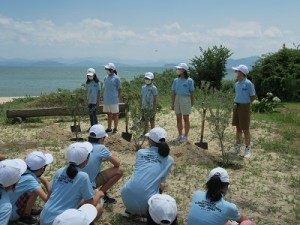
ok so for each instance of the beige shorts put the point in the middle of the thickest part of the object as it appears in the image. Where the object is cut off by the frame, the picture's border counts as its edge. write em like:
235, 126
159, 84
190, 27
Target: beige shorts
183, 104
101, 179
241, 116
114, 108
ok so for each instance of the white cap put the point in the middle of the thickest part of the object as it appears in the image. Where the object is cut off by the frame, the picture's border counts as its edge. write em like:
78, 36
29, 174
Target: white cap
149, 75
82, 216
90, 72
182, 66
162, 207
110, 66
11, 171
37, 160
242, 68
78, 152
156, 134
222, 173
98, 130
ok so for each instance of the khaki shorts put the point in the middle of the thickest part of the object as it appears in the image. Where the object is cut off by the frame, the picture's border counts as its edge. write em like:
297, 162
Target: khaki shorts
183, 104
241, 116
101, 179
114, 108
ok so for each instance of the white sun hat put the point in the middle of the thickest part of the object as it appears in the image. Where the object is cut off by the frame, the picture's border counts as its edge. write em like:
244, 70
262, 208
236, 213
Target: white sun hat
11, 171
97, 131
182, 66
244, 69
82, 216
149, 75
90, 72
221, 172
78, 152
156, 134
110, 66
37, 160
162, 207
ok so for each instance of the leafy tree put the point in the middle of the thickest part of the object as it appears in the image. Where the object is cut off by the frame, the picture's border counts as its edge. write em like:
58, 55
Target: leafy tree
210, 66
278, 73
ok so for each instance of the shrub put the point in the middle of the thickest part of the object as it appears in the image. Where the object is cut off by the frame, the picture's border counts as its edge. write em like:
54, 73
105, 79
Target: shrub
267, 104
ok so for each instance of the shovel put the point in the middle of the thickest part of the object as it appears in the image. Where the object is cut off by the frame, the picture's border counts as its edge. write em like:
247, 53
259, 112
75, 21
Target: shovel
125, 135
202, 144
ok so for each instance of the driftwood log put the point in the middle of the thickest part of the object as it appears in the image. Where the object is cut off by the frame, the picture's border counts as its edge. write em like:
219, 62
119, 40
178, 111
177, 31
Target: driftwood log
18, 115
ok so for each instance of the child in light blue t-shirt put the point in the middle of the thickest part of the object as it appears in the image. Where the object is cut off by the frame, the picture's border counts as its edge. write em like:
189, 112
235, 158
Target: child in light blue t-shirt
93, 93
210, 207
148, 101
71, 185
152, 167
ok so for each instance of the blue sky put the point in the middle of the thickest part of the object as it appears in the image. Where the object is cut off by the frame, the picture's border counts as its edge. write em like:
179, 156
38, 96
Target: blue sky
143, 29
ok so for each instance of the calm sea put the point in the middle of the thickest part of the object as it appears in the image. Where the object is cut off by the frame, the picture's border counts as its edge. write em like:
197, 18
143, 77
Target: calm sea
33, 81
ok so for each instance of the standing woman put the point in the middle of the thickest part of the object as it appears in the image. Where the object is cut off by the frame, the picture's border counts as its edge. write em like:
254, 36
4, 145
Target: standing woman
112, 91
71, 186
152, 166
182, 100
93, 93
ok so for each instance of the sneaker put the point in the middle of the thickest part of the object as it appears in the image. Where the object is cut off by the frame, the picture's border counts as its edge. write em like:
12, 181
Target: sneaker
247, 152
183, 139
108, 130
27, 220
36, 212
236, 149
109, 200
127, 214
115, 130
178, 139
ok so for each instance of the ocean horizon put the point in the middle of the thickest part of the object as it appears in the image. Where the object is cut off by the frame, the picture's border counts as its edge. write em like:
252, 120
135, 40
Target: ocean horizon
38, 80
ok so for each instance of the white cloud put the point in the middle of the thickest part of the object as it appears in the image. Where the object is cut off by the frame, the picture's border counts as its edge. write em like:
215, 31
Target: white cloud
173, 26
273, 32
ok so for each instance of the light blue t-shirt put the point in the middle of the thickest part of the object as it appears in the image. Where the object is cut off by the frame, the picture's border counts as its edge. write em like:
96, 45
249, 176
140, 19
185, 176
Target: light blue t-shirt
182, 86
112, 84
244, 89
203, 211
28, 182
5, 207
148, 93
66, 194
92, 92
98, 153
150, 170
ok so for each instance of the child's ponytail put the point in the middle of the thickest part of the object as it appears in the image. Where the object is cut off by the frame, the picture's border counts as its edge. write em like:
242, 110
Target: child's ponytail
72, 171
163, 148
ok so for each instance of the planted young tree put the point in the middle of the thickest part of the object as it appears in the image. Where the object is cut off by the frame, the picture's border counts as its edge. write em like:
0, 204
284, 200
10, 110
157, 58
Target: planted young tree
210, 66
219, 117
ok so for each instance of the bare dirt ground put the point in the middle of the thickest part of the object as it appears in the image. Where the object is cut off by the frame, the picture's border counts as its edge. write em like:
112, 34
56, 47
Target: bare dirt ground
263, 187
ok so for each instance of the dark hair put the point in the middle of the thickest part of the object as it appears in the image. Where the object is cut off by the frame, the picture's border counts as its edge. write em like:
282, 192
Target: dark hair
185, 73
163, 148
92, 139
94, 79
72, 171
151, 222
215, 188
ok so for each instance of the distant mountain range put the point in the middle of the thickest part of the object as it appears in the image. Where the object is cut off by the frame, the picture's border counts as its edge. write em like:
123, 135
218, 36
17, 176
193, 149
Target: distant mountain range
95, 61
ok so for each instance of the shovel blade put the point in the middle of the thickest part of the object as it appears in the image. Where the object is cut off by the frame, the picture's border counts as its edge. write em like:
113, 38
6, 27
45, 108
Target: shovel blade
203, 145
126, 136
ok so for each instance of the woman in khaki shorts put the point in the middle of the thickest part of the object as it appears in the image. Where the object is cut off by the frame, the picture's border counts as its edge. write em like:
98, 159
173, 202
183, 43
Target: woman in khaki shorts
182, 100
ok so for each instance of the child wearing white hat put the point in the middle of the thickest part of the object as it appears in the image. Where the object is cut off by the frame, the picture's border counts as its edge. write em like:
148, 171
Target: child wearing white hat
93, 94
148, 100
182, 101
71, 185
111, 94
105, 179
210, 207
29, 187
10, 173
151, 170
162, 210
